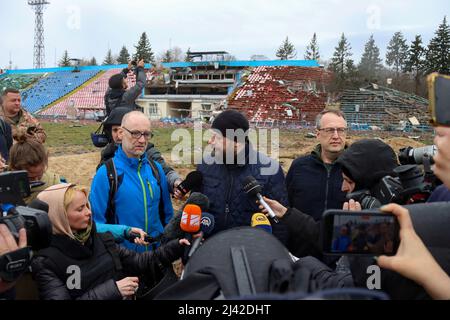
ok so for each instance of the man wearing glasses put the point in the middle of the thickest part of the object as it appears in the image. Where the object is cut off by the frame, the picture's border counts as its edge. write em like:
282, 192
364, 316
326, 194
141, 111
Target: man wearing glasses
138, 196
314, 181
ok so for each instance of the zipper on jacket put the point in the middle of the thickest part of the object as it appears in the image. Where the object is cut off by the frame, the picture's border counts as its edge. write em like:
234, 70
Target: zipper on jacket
227, 205
145, 197
327, 187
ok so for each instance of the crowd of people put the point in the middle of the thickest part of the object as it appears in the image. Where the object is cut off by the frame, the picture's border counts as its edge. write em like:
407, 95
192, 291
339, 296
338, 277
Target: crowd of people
133, 187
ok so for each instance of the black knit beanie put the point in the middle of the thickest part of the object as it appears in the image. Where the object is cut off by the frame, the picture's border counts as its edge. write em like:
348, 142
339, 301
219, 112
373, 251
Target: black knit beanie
230, 119
115, 82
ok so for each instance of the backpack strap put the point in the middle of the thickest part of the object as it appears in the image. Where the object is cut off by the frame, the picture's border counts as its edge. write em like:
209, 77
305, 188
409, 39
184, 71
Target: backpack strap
156, 174
111, 246
111, 173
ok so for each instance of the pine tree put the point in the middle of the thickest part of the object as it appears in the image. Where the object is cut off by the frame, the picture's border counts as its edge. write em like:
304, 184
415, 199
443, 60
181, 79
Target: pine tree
286, 50
65, 60
144, 50
93, 61
124, 56
167, 56
397, 53
341, 60
109, 59
415, 62
312, 51
370, 64
438, 54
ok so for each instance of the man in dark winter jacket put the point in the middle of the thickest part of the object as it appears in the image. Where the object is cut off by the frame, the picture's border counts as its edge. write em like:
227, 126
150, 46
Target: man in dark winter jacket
314, 181
6, 142
111, 127
118, 94
440, 194
233, 160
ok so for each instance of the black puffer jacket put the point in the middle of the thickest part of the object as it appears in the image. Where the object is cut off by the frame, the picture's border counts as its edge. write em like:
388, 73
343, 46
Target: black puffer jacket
101, 261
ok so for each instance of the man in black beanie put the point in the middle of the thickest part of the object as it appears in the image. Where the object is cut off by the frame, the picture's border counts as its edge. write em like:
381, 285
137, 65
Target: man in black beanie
118, 94
231, 161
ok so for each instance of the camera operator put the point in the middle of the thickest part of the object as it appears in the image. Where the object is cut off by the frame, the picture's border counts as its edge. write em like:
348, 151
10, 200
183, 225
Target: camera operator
7, 245
442, 164
413, 260
363, 164
118, 94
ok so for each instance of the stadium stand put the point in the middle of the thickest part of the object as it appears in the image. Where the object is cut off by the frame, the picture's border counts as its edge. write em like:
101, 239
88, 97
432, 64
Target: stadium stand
54, 87
18, 81
88, 99
281, 96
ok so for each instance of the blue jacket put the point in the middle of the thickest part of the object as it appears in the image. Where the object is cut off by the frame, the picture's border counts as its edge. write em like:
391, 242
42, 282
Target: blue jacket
136, 200
229, 204
440, 194
312, 188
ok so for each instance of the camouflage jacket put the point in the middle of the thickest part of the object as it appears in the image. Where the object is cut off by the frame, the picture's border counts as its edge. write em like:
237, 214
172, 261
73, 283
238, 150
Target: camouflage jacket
26, 120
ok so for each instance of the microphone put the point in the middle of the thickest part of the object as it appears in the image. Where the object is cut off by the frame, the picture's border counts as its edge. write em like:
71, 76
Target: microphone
190, 219
172, 229
130, 236
193, 181
254, 189
260, 221
39, 205
207, 226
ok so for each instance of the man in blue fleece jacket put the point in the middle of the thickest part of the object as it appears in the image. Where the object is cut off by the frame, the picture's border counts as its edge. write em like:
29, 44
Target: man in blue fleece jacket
138, 196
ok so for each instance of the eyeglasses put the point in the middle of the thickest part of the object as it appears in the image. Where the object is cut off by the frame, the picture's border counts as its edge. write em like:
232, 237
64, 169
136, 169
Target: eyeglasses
138, 134
331, 131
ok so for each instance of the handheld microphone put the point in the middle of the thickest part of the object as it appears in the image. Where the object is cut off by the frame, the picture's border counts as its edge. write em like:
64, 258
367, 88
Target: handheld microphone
254, 189
260, 221
207, 226
130, 236
191, 218
172, 229
193, 181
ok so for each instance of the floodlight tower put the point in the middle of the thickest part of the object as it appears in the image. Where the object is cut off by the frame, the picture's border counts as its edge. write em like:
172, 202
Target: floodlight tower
39, 51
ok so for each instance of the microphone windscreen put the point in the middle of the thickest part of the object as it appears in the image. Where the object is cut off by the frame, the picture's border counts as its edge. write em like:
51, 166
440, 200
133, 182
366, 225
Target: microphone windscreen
207, 223
190, 219
193, 181
260, 221
172, 230
251, 186
199, 199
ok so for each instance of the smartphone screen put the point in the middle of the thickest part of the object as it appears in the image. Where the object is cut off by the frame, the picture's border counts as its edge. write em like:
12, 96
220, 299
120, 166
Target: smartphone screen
360, 233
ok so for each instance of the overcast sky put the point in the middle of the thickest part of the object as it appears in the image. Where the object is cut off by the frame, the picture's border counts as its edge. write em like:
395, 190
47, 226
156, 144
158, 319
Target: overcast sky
88, 28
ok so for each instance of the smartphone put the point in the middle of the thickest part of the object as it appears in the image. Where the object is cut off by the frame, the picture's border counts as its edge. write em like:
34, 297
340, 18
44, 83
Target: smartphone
367, 232
439, 96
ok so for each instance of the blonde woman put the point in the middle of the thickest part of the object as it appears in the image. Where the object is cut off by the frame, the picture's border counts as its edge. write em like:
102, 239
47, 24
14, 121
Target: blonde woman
83, 264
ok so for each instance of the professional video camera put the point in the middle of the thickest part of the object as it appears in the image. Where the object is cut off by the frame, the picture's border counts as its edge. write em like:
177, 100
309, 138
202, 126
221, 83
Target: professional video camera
14, 186
410, 155
409, 186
